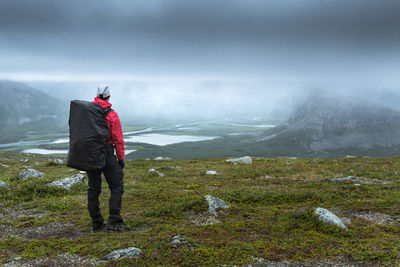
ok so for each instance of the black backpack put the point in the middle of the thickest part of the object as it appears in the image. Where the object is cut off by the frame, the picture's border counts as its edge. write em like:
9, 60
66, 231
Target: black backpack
89, 136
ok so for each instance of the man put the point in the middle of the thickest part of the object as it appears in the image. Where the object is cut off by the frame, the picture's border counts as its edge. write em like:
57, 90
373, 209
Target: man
113, 171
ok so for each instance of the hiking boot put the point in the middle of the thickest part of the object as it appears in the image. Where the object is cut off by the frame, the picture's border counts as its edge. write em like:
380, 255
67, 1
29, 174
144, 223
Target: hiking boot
118, 227
98, 228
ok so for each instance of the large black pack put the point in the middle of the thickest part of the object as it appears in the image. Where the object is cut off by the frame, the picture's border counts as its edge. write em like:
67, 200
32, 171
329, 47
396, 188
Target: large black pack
88, 136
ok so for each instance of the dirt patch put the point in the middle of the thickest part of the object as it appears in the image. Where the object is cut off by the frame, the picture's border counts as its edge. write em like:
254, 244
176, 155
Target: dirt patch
62, 260
60, 230
12, 214
374, 181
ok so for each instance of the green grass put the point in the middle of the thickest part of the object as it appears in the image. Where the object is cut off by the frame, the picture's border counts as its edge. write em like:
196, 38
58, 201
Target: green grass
271, 214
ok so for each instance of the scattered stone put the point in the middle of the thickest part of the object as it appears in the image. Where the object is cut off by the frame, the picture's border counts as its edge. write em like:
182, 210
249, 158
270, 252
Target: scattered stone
4, 165
329, 218
375, 217
348, 178
204, 219
66, 183
58, 162
29, 173
62, 260
156, 172
178, 240
161, 158
3, 184
24, 160
242, 160
375, 181
215, 203
211, 173
123, 253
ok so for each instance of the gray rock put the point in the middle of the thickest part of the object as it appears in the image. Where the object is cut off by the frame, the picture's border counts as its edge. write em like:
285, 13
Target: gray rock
29, 173
24, 160
211, 173
178, 240
215, 203
123, 253
348, 178
161, 158
3, 184
58, 162
329, 218
4, 165
156, 172
66, 183
242, 160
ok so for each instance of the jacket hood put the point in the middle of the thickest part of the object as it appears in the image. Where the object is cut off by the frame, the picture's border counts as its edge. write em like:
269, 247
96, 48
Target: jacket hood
102, 103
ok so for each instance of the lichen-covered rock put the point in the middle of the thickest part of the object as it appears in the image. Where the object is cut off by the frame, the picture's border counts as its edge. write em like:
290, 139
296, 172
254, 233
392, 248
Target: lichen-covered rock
29, 173
66, 183
3, 184
242, 160
348, 178
215, 203
178, 240
123, 253
211, 173
156, 172
329, 218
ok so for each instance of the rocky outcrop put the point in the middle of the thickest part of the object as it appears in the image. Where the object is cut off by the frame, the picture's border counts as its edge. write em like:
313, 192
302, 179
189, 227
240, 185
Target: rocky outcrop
123, 253
3, 184
66, 183
29, 173
349, 178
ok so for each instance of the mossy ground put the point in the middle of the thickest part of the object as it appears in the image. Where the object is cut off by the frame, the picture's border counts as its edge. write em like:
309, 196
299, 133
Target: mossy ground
271, 214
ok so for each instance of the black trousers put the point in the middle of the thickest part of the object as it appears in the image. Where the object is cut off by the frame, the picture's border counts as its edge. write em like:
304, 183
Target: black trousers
115, 178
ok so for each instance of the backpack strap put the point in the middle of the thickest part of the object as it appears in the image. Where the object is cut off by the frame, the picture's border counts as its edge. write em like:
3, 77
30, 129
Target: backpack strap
107, 111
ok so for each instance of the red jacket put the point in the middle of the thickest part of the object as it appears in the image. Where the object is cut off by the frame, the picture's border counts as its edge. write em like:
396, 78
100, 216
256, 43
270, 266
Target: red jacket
114, 124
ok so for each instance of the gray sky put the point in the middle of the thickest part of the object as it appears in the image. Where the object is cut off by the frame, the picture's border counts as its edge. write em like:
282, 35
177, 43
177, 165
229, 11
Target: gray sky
321, 41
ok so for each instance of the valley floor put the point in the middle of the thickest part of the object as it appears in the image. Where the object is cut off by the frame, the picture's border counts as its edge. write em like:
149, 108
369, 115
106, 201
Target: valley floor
270, 221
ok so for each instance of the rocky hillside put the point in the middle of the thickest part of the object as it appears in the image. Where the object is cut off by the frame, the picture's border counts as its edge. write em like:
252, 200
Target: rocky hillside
22, 104
338, 122
243, 212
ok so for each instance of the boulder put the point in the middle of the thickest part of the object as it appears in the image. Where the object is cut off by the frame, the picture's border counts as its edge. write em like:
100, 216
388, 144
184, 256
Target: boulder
66, 183
123, 253
156, 172
3, 184
348, 178
211, 173
329, 218
4, 165
215, 203
242, 160
29, 173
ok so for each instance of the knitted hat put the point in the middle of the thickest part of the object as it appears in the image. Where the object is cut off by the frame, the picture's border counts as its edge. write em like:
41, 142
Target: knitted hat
103, 91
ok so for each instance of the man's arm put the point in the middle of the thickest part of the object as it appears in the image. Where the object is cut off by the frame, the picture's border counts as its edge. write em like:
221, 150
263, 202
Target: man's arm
116, 135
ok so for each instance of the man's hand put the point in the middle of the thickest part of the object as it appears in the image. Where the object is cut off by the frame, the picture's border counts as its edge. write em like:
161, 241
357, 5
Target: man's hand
121, 163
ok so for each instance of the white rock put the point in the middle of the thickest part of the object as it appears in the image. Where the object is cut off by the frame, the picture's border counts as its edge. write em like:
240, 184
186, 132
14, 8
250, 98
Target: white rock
215, 203
3, 184
66, 183
156, 172
211, 173
242, 160
329, 218
177, 240
4, 165
161, 158
24, 160
123, 253
58, 161
29, 173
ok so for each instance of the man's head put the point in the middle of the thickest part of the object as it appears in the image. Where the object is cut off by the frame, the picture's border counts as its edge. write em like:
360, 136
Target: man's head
103, 92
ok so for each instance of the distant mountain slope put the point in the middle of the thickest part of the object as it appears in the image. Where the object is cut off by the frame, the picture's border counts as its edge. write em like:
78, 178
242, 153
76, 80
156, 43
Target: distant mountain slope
321, 126
24, 109
23, 104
